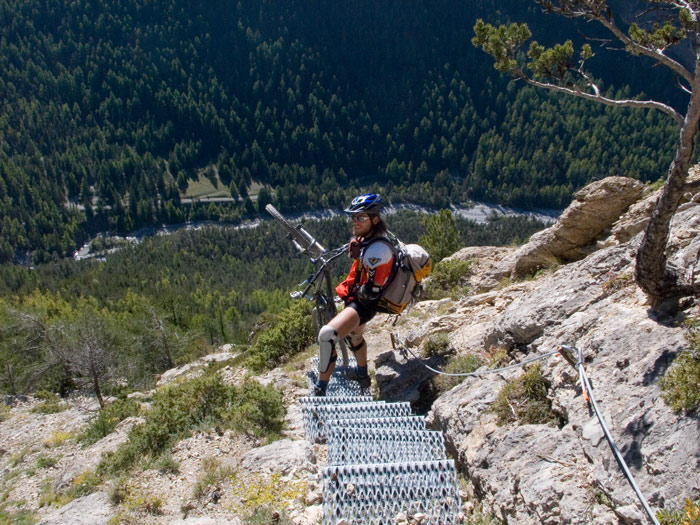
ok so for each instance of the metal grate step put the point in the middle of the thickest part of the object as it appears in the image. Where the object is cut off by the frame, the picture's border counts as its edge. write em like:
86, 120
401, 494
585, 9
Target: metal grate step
400, 422
377, 493
348, 446
338, 385
317, 418
310, 401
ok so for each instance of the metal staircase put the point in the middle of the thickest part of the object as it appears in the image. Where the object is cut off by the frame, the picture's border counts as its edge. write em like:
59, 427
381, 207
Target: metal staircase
382, 462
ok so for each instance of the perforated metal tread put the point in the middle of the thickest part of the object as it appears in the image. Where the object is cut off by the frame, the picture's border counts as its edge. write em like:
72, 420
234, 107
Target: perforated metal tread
351, 446
317, 418
377, 493
309, 401
399, 422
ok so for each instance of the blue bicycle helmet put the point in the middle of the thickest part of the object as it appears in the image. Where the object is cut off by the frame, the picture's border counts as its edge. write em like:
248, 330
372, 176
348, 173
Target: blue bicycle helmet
367, 203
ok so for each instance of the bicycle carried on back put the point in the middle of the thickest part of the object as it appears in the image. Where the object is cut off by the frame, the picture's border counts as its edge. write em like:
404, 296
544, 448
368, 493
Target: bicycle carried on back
318, 286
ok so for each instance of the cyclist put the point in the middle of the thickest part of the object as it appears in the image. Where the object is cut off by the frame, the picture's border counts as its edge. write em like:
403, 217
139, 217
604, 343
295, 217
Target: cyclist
373, 261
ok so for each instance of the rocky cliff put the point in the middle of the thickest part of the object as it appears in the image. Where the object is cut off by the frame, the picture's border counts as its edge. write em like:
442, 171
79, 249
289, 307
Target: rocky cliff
571, 284
584, 296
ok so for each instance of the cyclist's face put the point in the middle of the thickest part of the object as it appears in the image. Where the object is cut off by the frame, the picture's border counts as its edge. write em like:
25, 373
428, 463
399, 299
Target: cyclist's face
361, 224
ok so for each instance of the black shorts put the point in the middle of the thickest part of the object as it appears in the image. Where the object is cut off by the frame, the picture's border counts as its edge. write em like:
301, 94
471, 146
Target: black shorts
365, 311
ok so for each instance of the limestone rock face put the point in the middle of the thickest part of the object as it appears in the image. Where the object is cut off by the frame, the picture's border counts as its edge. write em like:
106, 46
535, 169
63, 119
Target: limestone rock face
282, 456
194, 368
543, 474
486, 269
594, 210
94, 509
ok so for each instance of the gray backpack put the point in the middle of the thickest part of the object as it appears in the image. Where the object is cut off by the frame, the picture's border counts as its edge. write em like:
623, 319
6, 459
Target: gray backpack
412, 264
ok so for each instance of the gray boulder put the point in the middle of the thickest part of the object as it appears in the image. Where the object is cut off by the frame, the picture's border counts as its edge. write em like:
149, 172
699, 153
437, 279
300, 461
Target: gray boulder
284, 456
88, 510
594, 211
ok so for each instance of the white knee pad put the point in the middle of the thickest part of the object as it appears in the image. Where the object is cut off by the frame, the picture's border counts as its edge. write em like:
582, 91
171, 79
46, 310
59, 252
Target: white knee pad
327, 338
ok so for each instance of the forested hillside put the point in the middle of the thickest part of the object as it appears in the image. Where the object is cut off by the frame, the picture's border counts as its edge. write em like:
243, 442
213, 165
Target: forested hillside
110, 109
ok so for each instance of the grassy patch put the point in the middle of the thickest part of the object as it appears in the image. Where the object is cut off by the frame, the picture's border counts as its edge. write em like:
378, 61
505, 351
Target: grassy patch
207, 184
44, 461
4, 412
680, 386
21, 517
167, 464
18, 457
524, 400
267, 515
50, 403
214, 474
617, 283
261, 493
448, 279
58, 438
204, 402
81, 486
123, 493
498, 357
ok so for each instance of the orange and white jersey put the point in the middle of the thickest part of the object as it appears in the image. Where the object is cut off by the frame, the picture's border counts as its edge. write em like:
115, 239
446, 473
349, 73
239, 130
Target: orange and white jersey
376, 263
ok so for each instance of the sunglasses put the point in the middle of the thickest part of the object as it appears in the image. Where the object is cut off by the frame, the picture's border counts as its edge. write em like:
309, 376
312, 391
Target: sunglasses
359, 218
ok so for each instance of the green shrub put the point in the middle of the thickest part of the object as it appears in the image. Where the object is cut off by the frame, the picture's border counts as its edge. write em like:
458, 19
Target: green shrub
461, 364
524, 400
290, 332
258, 410
214, 473
680, 386
107, 420
203, 402
437, 345
690, 515
448, 279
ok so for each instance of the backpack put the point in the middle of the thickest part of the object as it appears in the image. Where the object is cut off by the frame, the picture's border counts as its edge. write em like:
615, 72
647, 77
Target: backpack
412, 264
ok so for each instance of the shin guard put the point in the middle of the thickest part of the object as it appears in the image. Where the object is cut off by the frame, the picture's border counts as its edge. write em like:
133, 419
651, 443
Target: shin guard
327, 339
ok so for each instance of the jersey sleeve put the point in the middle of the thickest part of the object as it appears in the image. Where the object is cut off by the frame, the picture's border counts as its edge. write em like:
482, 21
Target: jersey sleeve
345, 288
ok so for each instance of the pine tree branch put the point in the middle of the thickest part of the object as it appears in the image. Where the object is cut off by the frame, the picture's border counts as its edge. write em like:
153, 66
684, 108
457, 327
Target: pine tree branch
597, 97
